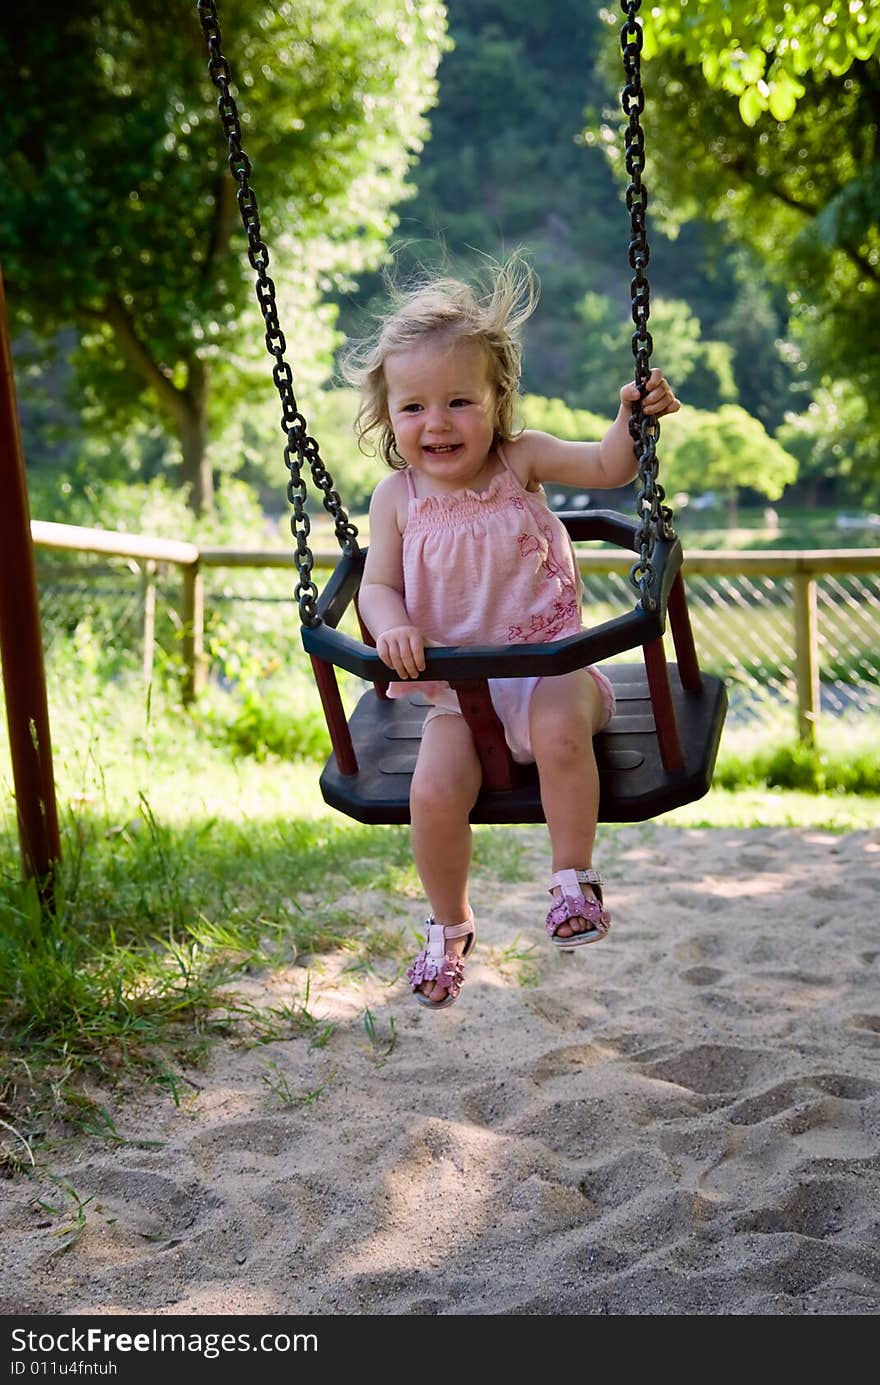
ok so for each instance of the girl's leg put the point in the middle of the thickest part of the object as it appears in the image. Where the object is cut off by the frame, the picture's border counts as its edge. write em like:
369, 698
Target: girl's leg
564, 715
444, 789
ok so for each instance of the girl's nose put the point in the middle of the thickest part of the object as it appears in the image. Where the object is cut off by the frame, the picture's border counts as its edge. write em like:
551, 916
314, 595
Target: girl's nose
437, 420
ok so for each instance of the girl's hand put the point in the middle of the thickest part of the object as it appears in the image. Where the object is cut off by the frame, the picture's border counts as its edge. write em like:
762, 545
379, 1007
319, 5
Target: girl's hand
659, 398
403, 649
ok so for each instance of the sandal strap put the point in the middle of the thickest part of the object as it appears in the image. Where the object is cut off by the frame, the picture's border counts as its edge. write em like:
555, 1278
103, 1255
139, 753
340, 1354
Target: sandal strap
438, 933
569, 880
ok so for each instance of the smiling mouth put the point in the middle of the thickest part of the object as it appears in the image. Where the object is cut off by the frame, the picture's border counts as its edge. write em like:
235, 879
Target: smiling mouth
440, 449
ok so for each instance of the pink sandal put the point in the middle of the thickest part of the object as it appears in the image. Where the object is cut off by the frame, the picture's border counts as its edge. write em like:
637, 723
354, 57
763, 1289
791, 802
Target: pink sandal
575, 905
434, 963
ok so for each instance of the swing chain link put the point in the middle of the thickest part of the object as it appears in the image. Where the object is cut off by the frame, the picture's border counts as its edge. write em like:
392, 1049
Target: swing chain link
300, 447
655, 518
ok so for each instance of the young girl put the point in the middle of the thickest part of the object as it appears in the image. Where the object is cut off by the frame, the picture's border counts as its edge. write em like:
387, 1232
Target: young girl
464, 550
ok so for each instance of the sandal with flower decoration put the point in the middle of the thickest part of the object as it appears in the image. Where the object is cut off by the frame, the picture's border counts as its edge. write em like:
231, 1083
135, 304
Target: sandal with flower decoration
574, 904
434, 963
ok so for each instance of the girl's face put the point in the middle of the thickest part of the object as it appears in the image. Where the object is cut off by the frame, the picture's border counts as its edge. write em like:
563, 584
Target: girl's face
441, 407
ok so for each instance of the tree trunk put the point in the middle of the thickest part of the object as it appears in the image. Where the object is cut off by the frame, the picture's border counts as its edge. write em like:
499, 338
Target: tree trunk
193, 433
196, 469
732, 508
187, 406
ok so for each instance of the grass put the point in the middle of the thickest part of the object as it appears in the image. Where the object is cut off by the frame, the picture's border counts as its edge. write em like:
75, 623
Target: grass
186, 868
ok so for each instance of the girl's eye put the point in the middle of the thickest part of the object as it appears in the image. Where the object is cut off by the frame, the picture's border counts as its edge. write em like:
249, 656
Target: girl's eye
411, 408
459, 403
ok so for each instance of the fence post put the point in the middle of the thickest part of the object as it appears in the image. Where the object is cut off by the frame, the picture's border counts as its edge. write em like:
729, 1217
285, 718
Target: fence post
193, 620
806, 654
148, 577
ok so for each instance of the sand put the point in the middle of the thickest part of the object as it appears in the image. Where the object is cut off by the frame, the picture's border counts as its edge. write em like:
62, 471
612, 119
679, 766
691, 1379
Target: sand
682, 1119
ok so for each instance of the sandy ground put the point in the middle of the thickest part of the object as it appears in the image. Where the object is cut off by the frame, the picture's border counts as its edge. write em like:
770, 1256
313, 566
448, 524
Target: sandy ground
682, 1119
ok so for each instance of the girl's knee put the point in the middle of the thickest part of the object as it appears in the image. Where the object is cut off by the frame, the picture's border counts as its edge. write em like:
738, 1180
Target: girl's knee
447, 775
562, 722
437, 792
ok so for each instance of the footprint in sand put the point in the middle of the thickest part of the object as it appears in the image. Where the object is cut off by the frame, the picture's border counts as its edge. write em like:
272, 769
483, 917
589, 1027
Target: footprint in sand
710, 1068
869, 1023
817, 1208
695, 950
264, 1138
792, 1094
702, 976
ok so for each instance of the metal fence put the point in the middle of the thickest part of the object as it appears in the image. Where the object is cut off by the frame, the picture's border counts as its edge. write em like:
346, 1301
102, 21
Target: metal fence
794, 630
746, 630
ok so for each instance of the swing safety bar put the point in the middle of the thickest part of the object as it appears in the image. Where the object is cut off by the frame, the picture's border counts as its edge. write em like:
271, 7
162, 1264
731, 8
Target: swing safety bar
467, 668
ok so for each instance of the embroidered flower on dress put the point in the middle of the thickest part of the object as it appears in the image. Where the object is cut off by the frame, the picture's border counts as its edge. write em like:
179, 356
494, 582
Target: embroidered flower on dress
541, 629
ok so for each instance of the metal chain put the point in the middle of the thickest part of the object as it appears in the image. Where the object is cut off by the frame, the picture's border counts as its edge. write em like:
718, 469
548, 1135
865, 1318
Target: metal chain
300, 446
655, 518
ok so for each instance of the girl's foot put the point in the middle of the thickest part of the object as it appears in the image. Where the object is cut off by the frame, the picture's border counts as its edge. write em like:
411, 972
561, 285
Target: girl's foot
577, 915
578, 924
437, 974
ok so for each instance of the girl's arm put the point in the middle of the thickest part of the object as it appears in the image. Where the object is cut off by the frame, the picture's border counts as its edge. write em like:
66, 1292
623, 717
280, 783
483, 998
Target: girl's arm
591, 465
398, 642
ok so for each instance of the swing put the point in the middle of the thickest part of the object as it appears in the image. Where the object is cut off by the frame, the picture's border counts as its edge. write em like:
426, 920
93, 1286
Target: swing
658, 751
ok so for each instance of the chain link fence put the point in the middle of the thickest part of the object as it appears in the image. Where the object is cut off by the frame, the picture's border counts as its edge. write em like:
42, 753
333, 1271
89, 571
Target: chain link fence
744, 631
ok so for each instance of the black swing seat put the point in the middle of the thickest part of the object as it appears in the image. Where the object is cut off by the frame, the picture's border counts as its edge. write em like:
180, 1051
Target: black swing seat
657, 753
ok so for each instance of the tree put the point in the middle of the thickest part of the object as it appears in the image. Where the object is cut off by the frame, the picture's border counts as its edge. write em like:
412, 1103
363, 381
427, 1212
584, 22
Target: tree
765, 118
725, 450
119, 214
700, 371
830, 445
759, 52
505, 167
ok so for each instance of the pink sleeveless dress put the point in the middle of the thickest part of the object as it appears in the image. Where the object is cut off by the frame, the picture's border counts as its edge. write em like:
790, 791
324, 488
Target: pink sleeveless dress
491, 567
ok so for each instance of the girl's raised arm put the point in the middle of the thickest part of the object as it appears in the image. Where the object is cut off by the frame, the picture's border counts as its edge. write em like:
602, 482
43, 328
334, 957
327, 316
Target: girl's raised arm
591, 465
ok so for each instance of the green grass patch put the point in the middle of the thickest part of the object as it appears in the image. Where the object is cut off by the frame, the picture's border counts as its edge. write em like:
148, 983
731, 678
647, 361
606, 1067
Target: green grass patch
845, 758
762, 807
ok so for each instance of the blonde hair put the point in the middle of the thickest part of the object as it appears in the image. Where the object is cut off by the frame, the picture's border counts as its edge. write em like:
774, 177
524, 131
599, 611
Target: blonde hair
452, 309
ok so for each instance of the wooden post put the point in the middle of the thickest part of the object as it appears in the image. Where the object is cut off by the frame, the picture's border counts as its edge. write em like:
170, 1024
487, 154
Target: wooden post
21, 647
490, 743
193, 620
148, 572
668, 740
806, 652
683, 637
334, 713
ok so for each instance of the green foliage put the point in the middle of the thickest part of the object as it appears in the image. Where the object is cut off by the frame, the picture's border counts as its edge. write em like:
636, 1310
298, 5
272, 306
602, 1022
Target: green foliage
723, 450
355, 473
263, 725
701, 370
798, 187
157, 508
806, 768
831, 439
120, 217
555, 416
759, 52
